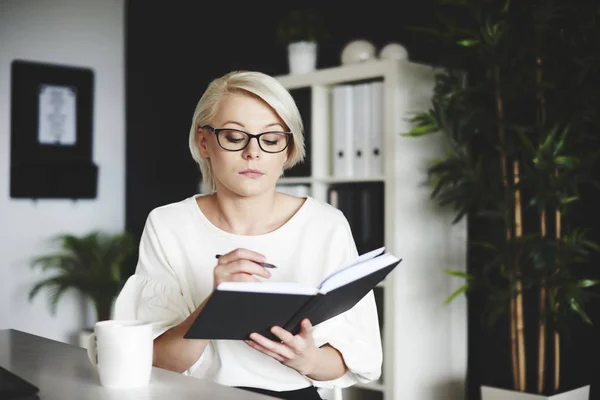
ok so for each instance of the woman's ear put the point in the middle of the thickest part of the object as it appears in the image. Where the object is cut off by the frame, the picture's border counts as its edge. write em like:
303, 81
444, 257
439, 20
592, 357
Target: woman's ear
202, 142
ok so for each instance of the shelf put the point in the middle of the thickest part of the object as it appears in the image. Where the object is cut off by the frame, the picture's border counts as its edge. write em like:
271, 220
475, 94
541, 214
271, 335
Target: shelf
309, 180
347, 73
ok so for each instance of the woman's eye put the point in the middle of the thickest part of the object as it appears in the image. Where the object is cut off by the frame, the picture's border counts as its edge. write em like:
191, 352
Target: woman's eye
233, 136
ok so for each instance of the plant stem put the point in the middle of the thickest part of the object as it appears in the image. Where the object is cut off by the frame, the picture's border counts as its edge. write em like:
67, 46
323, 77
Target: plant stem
519, 283
507, 228
542, 319
556, 334
541, 120
556, 361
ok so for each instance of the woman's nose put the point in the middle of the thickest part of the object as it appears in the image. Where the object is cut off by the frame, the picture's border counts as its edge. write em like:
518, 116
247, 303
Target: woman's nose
252, 150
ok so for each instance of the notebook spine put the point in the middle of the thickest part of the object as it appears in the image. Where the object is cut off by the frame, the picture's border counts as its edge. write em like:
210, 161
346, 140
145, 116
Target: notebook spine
293, 324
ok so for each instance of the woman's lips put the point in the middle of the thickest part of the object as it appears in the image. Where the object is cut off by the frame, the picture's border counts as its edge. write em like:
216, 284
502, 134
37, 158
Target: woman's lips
251, 173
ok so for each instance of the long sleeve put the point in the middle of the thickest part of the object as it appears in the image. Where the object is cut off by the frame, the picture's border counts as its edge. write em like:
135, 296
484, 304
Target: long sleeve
354, 333
152, 293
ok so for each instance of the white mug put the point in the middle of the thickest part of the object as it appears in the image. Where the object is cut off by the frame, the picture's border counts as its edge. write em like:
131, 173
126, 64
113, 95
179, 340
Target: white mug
122, 350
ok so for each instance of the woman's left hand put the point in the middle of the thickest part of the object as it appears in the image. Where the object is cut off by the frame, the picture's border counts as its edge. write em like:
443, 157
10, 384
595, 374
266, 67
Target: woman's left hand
295, 351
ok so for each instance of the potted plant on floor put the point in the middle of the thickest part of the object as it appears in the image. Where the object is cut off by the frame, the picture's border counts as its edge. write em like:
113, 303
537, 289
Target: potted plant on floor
300, 31
519, 109
96, 265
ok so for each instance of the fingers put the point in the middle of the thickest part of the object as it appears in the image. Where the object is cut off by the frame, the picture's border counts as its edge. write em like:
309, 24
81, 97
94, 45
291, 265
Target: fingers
240, 265
241, 253
243, 278
264, 350
243, 261
306, 328
244, 266
285, 336
280, 349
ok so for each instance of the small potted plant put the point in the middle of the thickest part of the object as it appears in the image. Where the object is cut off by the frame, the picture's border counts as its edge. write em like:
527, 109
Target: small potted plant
97, 265
300, 31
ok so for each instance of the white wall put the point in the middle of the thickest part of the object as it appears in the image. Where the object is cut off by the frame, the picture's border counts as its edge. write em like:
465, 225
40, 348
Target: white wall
87, 33
431, 346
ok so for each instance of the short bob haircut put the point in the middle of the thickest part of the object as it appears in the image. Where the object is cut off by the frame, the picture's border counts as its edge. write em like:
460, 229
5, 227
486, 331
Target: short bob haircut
254, 83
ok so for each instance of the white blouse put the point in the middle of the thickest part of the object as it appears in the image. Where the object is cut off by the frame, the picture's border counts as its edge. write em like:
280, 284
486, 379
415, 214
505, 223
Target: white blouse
174, 275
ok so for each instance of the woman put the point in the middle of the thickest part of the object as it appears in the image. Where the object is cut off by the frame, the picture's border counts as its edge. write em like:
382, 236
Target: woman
246, 130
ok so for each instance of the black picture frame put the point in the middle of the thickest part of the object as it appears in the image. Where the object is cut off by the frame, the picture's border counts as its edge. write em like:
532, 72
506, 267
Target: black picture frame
51, 131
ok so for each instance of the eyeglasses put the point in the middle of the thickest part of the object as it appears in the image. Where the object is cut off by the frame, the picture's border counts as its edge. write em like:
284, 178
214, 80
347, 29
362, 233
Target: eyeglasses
237, 140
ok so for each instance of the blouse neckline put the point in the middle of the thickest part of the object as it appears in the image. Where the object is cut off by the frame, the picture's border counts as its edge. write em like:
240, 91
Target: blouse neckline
290, 222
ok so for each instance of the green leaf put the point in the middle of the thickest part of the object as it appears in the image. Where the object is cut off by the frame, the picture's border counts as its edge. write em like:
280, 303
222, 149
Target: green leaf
545, 147
591, 245
567, 161
468, 42
567, 200
421, 130
559, 146
578, 309
457, 273
457, 292
586, 283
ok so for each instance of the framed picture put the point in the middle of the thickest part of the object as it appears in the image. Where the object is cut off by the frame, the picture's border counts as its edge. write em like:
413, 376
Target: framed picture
51, 131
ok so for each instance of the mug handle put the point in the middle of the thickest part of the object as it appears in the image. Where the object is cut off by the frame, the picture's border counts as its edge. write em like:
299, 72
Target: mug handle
92, 349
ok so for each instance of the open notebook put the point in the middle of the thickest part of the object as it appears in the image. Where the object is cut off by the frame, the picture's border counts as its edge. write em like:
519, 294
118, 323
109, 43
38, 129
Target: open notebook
237, 309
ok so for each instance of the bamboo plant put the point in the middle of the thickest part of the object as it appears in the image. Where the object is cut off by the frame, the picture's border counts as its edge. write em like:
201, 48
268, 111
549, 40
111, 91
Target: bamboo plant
518, 106
96, 265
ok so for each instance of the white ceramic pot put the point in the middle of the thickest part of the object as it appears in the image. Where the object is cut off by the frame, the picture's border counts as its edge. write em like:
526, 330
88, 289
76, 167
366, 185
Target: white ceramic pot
492, 393
302, 57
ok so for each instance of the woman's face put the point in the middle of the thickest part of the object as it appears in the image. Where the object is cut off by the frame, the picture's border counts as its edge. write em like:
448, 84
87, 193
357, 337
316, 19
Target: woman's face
251, 171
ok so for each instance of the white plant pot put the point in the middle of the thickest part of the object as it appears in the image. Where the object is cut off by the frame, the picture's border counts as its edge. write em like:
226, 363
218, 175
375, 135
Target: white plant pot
302, 57
492, 393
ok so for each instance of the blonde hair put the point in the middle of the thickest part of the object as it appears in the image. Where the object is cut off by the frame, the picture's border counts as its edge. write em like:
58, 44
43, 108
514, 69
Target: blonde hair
258, 84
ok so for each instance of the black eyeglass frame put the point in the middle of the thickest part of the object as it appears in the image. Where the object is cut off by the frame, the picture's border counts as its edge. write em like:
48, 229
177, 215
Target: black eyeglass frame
216, 131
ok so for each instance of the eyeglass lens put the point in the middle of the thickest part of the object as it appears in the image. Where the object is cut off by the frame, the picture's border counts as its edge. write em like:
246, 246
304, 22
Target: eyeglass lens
270, 142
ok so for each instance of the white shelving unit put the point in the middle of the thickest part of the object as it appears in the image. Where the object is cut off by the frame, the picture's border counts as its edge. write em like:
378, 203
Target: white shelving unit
424, 341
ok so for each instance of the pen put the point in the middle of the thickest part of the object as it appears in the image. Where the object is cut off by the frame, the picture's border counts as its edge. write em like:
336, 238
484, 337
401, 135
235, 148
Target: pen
266, 265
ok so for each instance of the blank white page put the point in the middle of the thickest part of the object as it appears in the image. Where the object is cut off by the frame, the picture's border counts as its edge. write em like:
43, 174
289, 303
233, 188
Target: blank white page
354, 272
267, 287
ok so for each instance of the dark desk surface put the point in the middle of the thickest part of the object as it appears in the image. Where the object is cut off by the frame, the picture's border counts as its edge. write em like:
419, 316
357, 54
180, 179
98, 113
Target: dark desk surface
63, 372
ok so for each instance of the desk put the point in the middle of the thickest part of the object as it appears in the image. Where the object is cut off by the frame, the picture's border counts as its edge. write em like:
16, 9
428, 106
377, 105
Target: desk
64, 372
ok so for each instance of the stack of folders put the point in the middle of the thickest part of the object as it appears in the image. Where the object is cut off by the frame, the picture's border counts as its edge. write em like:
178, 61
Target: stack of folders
358, 125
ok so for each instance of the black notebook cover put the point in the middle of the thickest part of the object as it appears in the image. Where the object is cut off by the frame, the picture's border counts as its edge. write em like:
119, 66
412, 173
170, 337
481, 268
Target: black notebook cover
234, 315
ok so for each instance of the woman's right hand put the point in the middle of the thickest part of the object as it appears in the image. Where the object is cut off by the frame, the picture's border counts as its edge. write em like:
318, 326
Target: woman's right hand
239, 265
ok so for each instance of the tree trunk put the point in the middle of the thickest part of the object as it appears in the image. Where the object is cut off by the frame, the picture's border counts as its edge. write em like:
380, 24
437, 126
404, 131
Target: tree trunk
520, 319
516, 362
542, 320
556, 334
541, 120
